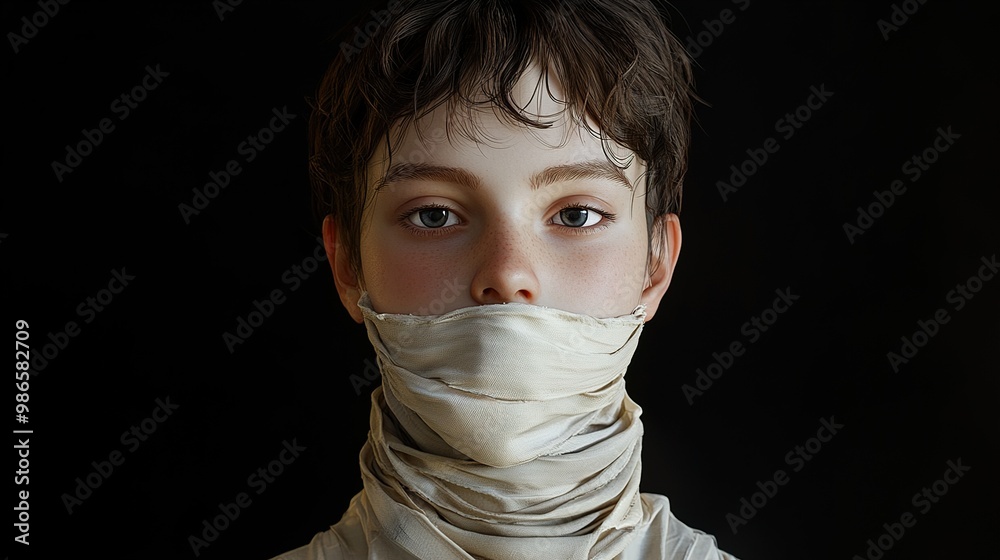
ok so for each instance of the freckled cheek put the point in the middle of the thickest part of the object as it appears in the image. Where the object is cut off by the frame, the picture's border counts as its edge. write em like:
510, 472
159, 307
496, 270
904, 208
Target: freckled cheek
402, 277
629, 271
602, 279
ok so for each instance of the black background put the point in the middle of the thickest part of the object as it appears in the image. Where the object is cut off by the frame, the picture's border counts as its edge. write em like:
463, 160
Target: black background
291, 380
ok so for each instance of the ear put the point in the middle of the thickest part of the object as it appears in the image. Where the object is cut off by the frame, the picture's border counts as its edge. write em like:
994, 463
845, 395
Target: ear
343, 275
667, 237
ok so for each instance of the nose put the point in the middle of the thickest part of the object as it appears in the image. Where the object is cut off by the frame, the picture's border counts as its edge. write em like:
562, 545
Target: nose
506, 268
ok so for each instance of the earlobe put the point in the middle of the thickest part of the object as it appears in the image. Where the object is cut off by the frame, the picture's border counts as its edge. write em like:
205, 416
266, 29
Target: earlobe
344, 277
667, 238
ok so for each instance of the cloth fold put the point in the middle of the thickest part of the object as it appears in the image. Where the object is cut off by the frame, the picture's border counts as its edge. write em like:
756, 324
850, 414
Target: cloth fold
508, 428
504, 432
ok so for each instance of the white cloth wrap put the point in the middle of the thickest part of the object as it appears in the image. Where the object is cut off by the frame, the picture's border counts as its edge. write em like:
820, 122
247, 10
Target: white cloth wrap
503, 432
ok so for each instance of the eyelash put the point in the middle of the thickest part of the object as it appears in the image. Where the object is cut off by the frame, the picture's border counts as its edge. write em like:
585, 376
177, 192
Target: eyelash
609, 217
404, 220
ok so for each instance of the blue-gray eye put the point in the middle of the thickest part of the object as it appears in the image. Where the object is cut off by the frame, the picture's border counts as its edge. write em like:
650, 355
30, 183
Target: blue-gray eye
432, 218
574, 217
577, 217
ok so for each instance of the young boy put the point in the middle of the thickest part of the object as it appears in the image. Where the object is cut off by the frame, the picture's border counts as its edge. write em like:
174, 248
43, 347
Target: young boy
501, 181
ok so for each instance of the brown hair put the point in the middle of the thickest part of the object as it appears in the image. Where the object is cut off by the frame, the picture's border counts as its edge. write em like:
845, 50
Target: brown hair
618, 63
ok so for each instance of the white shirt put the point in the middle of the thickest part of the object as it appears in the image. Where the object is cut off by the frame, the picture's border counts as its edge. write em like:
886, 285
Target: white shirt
663, 537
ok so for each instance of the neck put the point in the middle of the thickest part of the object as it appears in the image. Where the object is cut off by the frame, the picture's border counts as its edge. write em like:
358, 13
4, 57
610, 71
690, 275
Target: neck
583, 498
505, 428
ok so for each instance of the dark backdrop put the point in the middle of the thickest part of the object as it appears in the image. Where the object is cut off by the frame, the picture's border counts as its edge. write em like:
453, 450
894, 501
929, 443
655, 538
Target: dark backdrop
298, 380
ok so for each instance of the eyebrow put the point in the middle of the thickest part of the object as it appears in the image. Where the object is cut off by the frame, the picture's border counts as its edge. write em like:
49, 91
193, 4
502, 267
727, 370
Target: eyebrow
591, 169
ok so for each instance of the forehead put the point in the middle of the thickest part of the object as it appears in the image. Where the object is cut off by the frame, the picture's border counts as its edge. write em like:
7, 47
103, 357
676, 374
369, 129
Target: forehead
488, 142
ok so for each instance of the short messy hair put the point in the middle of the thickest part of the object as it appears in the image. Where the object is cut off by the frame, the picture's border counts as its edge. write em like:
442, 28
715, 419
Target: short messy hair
617, 62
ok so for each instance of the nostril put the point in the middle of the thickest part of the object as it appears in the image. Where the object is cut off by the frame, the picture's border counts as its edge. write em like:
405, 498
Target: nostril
491, 295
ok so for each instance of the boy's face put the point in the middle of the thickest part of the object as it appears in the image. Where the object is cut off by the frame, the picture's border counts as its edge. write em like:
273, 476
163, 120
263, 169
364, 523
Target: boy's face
538, 216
